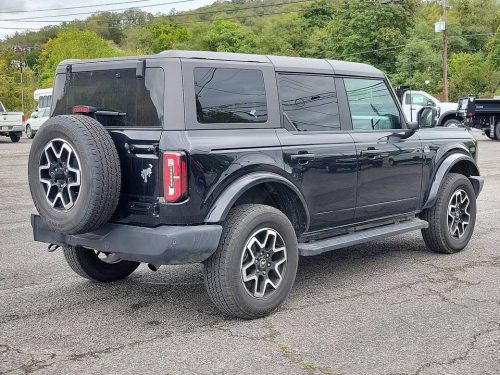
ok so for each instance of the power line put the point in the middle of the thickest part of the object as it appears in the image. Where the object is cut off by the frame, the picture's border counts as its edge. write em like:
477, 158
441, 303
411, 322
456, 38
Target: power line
36, 19
29, 19
74, 7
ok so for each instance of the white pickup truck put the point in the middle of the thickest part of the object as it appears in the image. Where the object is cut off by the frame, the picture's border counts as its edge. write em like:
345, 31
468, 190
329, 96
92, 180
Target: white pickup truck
412, 101
11, 124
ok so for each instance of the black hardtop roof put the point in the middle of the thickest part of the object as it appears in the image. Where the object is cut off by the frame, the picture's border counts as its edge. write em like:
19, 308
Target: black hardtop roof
280, 63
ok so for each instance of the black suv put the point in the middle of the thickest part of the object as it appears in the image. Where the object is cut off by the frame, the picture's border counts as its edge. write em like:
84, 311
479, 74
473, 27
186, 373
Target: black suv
242, 162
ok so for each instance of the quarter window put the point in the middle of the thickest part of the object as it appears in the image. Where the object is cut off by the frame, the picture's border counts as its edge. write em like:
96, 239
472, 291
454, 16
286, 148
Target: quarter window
227, 95
309, 102
372, 105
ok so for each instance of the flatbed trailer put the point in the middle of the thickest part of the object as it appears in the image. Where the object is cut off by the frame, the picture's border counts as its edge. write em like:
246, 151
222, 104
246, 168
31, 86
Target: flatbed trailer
481, 114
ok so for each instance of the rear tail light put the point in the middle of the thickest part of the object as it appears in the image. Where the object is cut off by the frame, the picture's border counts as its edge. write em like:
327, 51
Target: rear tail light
83, 109
24, 119
174, 176
470, 114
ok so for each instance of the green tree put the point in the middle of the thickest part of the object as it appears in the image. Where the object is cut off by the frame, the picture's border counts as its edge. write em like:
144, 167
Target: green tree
71, 44
369, 26
470, 73
163, 35
229, 36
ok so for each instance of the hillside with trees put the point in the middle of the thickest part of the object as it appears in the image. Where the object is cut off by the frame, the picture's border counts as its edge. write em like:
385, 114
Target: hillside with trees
395, 36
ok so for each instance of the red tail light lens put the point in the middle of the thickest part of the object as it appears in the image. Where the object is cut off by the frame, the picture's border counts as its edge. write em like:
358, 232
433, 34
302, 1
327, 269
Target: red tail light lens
24, 119
174, 176
83, 109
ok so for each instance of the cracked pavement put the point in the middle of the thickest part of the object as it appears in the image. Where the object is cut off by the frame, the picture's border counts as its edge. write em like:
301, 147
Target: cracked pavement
387, 307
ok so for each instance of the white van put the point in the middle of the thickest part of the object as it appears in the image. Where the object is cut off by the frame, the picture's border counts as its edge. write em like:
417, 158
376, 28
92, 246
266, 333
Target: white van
43, 98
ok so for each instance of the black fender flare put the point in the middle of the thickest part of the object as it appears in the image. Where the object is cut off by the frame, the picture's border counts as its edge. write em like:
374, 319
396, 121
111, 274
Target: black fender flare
220, 208
447, 164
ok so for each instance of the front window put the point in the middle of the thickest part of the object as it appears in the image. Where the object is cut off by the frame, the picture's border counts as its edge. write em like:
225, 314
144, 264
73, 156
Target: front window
2, 109
372, 105
227, 95
121, 98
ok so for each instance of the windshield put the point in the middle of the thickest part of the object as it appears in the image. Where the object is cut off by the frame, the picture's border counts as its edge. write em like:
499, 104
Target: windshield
137, 102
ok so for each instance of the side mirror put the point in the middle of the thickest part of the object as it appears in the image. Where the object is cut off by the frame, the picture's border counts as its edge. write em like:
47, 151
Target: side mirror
413, 125
33, 115
430, 103
427, 117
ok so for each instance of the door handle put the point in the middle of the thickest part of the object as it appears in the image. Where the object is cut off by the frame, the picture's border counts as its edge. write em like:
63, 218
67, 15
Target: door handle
302, 158
371, 152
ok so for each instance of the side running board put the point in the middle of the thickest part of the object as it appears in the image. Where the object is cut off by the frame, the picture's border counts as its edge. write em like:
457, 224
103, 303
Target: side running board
356, 238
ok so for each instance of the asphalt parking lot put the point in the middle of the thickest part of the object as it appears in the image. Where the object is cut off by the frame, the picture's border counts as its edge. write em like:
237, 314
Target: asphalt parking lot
389, 307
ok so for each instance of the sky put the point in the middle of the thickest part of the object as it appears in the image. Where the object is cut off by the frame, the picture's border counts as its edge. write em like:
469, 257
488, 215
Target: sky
16, 15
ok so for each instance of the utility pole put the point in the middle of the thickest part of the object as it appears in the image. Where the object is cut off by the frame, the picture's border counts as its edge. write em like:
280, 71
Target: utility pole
21, 63
445, 53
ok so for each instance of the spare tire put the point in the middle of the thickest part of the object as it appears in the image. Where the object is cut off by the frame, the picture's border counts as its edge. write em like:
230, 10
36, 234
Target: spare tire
74, 174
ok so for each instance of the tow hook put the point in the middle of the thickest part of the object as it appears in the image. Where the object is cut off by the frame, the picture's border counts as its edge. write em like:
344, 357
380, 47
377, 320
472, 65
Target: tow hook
52, 247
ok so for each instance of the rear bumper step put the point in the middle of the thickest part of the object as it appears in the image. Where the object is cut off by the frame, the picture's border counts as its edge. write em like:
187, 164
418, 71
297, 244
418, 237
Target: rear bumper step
356, 238
160, 245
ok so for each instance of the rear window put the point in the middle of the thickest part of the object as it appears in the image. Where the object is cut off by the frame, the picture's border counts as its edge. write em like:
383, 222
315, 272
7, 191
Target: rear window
227, 95
139, 101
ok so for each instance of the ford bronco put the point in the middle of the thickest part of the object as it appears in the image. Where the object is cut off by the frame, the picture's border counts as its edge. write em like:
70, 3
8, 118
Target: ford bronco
243, 163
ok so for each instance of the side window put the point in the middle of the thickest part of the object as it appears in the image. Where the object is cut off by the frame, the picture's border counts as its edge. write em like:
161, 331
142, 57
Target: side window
227, 95
418, 99
309, 102
372, 105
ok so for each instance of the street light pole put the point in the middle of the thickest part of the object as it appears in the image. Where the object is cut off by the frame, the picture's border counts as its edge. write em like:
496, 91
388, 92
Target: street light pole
445, 53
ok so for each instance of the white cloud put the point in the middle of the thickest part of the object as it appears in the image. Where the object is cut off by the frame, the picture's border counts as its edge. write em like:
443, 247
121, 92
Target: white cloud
33, 8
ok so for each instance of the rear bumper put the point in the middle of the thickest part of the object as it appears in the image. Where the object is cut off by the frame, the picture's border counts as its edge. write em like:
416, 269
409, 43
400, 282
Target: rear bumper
161, 245
5, 129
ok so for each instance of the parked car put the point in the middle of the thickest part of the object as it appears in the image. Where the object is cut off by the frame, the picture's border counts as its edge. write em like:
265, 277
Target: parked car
412, 101
11, 124
35, 121
243, 163
481, 114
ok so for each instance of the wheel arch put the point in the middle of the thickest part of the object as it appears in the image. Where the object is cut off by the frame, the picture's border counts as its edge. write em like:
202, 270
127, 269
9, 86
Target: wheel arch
445, 116
266, 188
454, 163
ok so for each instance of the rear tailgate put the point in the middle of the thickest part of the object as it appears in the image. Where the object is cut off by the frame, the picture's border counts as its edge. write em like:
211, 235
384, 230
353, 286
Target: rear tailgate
127, 98
11, 121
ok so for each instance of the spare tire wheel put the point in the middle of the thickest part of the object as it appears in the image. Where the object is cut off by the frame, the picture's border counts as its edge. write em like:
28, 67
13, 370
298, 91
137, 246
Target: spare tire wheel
74, 174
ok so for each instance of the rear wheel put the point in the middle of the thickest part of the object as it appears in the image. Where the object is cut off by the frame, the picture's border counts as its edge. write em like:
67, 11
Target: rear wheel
497, 131
98, 266
254, 267
15, 137
452, 123
453, 216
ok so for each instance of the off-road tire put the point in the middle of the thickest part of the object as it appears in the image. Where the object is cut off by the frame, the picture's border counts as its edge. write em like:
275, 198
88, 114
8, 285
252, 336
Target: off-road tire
437, 236
86, 263
15, 137
222, 272
100, 174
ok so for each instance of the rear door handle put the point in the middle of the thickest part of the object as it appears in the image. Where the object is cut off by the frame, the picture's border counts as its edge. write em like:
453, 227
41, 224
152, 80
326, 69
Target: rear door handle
371, 152
302, 157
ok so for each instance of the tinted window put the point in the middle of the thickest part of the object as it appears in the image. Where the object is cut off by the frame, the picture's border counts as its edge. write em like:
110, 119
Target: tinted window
372, 106
225, 95
44, 101
139, 101
2, 109
309, 102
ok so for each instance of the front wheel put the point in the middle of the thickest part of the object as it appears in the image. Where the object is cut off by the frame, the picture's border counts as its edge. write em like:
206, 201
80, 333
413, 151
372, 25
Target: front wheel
453, 216
98, 266
253, 269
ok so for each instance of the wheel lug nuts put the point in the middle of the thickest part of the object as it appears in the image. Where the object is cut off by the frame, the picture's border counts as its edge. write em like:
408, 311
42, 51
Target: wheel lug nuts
269, 264
267, 255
